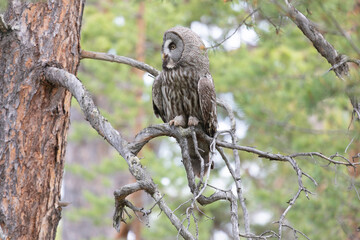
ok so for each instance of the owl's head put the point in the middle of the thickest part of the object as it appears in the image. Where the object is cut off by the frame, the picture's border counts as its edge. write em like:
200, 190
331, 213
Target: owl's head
182, 47
172, 50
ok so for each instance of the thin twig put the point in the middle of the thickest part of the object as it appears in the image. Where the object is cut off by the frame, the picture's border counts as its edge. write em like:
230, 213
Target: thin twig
236, 174
353, 186
311, 178
119, 59
347, 147
182, 204
301, 188
252, 236
296, 231
235, 222
341, 156
238, 27
264, 236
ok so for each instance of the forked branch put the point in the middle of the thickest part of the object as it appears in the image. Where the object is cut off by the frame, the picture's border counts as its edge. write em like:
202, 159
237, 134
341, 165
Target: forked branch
103, 127
128, 151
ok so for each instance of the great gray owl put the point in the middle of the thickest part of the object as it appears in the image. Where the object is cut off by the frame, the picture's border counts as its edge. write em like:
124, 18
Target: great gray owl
184, 93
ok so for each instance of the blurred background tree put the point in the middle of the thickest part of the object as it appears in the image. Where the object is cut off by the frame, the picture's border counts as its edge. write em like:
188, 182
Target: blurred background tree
277, 83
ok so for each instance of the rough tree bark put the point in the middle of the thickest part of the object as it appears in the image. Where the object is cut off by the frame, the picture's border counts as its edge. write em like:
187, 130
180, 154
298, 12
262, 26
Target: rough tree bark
34, 114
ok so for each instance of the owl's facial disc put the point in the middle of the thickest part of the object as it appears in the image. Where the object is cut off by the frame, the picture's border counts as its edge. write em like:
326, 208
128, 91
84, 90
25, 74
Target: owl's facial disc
169, 46
172, 50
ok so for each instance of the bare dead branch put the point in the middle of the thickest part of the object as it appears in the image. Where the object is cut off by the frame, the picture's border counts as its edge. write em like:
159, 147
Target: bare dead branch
356, 61
282, 217
129, 189
340, 29
337, 61
295, 231
341, 156
128, 150
253, 236
354, 187
301, 188
103, 127
202, 184
200, 187
120, 211
311, 178
167, 130
343, 60
318, 40
280, 157
196, 190
330, 159
237, 29
236, 174
120, 59
91, 112
182, 204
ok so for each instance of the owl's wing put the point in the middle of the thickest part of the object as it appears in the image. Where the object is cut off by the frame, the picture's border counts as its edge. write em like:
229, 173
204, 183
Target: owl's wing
157, 98
207, 98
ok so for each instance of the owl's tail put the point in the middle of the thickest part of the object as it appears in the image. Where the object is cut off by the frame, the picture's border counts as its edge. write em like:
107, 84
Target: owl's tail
204, 150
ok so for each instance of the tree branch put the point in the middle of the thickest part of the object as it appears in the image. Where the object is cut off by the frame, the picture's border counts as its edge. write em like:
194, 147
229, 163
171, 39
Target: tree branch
318, 40
103, 127
237, 29
236, 174
121, 202
295, 231
179, 133
338, 61
145, 135
128, 151
340, 29
120, 59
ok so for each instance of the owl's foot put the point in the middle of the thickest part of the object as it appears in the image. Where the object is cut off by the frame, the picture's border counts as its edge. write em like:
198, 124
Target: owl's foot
178, 121
193, 121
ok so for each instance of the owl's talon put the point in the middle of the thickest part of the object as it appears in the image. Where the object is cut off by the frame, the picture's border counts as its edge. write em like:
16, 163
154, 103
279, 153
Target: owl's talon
178, 121
193, 121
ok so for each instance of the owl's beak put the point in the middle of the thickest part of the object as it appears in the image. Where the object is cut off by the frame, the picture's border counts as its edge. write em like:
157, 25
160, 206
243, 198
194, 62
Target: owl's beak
164, 56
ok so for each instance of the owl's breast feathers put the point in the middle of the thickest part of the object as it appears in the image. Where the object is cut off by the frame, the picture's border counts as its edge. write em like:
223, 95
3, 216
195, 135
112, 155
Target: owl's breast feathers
187, 93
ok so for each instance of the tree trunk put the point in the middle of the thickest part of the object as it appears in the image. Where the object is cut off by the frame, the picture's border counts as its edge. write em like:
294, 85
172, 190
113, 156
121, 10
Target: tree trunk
34, 115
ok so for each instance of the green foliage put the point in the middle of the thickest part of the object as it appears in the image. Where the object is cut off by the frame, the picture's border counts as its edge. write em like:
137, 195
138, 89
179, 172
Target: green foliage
280, 88
3, 6
96, 212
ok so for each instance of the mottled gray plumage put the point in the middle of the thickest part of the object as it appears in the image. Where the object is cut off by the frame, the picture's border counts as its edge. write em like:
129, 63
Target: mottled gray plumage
183, 93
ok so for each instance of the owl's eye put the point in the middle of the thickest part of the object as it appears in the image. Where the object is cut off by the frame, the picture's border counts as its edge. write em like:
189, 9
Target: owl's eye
172, 46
